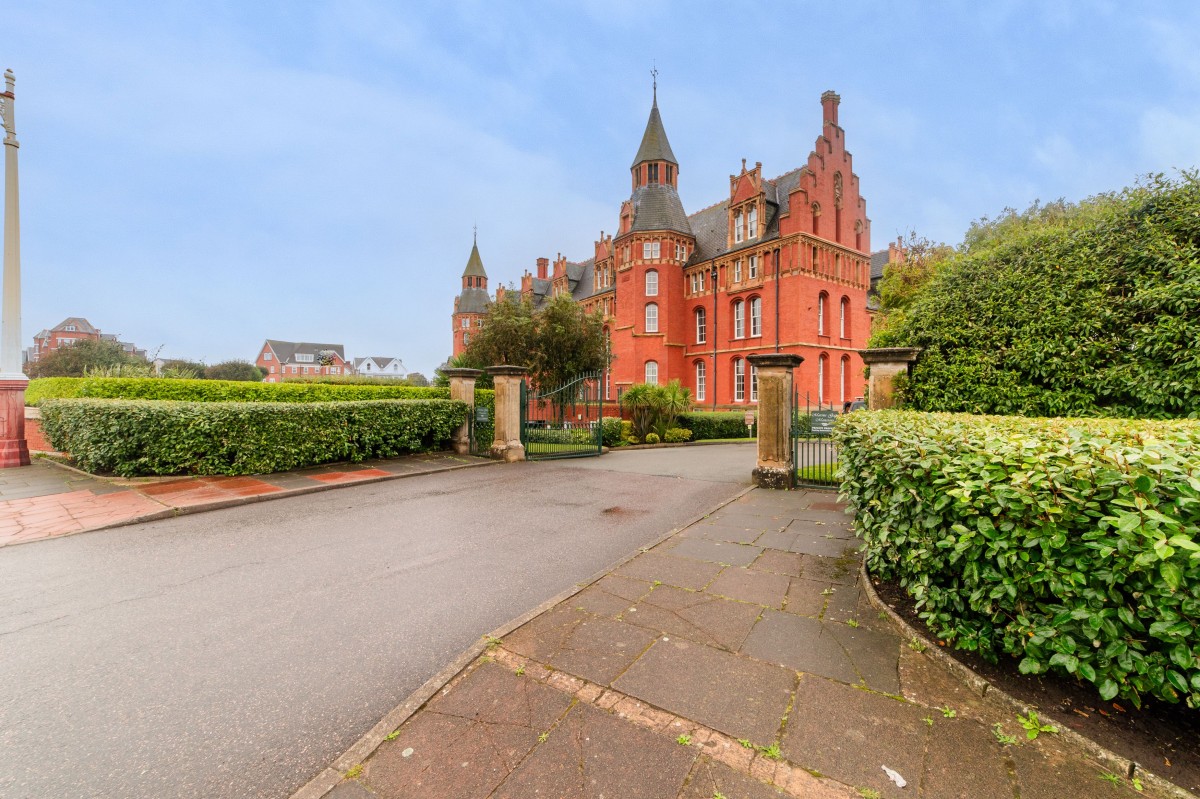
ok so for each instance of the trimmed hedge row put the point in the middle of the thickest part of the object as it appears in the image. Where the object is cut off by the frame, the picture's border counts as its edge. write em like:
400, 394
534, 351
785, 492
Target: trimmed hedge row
1071, 544
709, 425
130, 438
151, 388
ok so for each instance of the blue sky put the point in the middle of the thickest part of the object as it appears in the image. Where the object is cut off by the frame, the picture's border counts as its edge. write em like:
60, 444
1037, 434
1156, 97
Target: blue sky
199, 177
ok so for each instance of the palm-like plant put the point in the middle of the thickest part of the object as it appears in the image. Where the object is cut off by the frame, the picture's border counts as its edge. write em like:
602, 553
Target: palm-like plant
655, 409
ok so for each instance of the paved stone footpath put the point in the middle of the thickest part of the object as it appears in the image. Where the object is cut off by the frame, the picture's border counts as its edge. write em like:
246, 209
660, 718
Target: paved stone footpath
44, 500
741, 659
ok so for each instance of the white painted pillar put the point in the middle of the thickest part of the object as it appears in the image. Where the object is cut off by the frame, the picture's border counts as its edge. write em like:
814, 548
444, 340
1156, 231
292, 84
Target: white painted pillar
14, 451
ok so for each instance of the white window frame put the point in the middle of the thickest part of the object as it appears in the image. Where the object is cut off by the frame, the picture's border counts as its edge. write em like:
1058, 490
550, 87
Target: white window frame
739, 227
756, 317
752, 222
651, 373
651, 282
752, 267
842, 380
739, 380
753, 383
608, 383
645, 250
821, 380
739, 319
701, 380
701, 315
465, 323
304, 357
842, 308
651, 317
267, 355
737, 271
821, 314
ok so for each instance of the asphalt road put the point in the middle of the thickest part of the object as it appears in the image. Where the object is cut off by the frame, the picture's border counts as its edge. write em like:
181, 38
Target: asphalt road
237, 653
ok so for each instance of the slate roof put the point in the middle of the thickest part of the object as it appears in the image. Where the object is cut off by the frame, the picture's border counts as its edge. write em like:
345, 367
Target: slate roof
657, 207
473, 300
285, 351
710, 225
81, 325
381, 361
655, 146
474, 264
878, 262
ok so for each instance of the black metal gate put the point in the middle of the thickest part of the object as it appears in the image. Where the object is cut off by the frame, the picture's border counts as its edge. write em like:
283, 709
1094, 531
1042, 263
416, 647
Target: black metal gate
482, 430
813, 449
563, 422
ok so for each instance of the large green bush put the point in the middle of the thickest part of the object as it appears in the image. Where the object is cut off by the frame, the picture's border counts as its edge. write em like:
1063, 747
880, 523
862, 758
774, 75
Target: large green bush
229, 391
1068, 543
132, 437
1064, 310
708, 425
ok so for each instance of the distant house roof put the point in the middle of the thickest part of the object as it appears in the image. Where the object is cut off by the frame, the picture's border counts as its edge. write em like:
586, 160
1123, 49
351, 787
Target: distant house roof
879, 260
285, 351
381, 363
81, 325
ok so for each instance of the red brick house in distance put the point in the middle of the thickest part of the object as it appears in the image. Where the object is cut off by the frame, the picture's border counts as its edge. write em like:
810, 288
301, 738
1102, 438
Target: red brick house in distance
780, 265
299, 359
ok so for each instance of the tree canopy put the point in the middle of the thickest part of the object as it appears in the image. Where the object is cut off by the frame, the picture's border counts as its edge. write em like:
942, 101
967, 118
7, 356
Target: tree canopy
557, 343
1063, 310
83, 356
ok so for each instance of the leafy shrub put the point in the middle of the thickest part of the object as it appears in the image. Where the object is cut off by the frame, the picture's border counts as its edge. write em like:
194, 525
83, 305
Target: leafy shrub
802, 424
140, 437
677, 435
610, 431
1083, 310
233, 370
632, 440
652, 438
626, 428
654, 407
709, 425
1068, 543
230, 391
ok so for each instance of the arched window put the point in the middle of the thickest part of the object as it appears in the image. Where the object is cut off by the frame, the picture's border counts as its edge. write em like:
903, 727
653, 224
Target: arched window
822, 370
701, 380
739, 319
844, 317
816, 215
651, 317
739, 380
701, 326
821, 298
651, 282
756, 316
652, 373
753, 383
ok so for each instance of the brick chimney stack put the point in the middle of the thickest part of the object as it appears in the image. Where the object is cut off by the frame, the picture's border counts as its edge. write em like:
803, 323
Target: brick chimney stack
543, 266
829, 104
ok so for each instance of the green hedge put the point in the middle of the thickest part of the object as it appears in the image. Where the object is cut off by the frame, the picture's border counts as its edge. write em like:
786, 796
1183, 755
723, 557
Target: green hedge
150, 388
709, 425
133, 437
610, 431
1069, 543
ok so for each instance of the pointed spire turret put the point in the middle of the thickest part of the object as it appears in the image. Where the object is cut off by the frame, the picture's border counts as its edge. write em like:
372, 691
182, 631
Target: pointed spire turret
655, 146
474, 266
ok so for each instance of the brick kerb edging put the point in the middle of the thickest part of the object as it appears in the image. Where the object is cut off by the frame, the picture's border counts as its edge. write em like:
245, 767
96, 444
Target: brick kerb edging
986, 689
362, 749
187, 510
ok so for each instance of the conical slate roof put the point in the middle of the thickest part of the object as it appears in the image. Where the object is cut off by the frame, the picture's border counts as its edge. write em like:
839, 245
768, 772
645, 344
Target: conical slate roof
474, 264
655, 146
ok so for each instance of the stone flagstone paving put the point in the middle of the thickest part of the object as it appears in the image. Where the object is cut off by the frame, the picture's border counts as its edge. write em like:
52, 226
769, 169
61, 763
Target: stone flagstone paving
738, 659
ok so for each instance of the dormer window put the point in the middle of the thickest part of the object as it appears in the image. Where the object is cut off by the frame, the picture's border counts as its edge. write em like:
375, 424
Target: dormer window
652, 173
752, 222
69, 328
739, 226
304, 358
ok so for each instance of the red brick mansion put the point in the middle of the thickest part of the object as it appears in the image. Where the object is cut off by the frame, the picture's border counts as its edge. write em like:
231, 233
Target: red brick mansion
780, 265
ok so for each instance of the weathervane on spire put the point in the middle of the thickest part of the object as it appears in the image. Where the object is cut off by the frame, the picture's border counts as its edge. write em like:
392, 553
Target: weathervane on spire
654, 78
